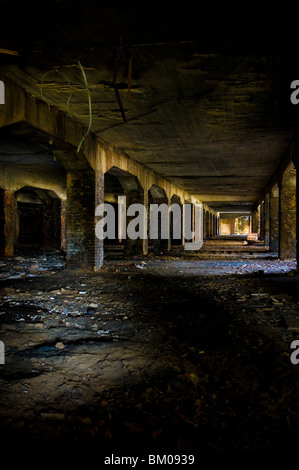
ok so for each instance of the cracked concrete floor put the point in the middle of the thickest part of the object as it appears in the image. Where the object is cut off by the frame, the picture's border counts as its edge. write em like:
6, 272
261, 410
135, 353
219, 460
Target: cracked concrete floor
187, 355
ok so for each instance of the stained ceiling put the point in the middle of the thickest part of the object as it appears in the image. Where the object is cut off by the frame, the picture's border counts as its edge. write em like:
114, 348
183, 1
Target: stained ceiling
205, 105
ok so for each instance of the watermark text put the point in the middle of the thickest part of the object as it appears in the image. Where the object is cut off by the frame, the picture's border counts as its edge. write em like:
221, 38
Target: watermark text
2, 353
295, 354
186, 222
2, 92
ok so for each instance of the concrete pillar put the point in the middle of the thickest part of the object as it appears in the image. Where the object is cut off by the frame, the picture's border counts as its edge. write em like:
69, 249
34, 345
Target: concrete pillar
99, 199
296, 163
232, 226
212, 225
162, 245
145, 241
175, 223
63, 243
250, 224
192, 217
168, 242
10, 219
274, 219
297, 215
80, 219
255, 222
262, 221
287, 207
134, 247
206, 224
187, 226
267, 219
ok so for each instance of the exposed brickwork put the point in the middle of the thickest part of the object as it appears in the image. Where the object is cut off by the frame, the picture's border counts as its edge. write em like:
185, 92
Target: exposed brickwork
227, 226
161, 245
99, 199
267, 220
176, 241
255, 222
262, 221
210, 224
9, 222
274, 220
133, 247
63, 226
287, 239
206, 224
80, 218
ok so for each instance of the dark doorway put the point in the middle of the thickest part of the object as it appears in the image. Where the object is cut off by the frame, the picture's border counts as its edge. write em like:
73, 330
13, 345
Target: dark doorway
39, 218
30, 223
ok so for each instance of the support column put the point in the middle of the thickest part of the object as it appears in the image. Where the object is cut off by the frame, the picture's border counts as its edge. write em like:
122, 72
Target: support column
168, 242
297, 214
274, 219
267, 219
134, 247
176, 222
232, 225
287, 206
206, 224
80, 219
145, 241
210, 224
99, 199
63, 243
10, 219
255, 223
161, 245
262, 221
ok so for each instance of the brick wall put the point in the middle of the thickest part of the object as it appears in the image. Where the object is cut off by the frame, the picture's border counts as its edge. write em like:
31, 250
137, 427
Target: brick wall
80, 219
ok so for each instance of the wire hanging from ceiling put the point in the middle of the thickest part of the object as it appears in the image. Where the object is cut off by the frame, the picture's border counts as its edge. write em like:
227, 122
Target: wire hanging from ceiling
89, 106
69, 97
69, 85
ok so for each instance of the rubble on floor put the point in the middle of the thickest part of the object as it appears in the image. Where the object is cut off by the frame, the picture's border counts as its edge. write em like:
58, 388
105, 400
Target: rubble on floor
163, 353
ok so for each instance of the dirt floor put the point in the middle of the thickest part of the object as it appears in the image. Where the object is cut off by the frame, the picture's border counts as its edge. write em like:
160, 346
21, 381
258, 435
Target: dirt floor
178, 353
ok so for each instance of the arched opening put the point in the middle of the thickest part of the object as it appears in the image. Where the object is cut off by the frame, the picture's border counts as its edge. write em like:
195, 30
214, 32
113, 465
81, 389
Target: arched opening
119, 184
234, 224
113, 189
38, 221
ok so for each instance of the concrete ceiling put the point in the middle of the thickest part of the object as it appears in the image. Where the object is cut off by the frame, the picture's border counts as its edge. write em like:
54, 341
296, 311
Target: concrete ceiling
28, 149
209, 107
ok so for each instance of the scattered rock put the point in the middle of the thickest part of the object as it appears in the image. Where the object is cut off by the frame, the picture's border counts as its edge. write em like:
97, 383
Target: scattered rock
53, 416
